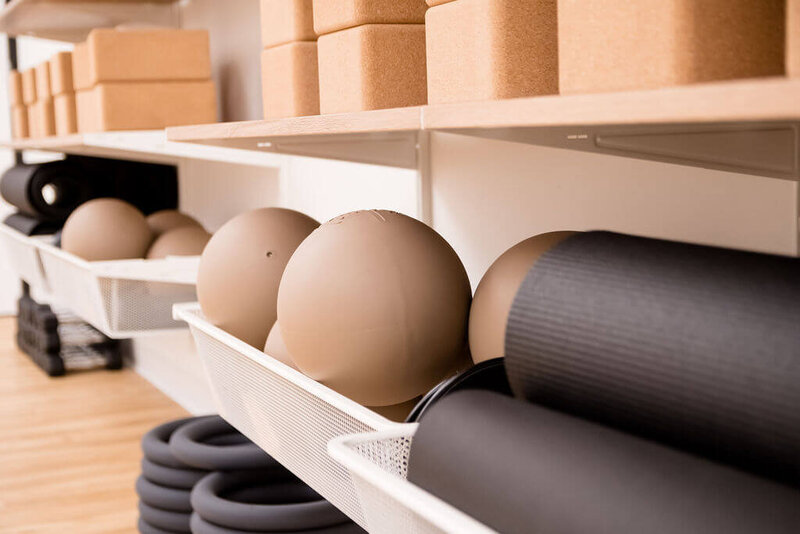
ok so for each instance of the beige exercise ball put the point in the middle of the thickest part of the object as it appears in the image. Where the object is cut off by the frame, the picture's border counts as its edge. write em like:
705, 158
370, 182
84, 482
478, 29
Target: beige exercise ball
276, 348
496, 291
165, 220
106, 229
241, 268
397, 412
374, 304
182, 241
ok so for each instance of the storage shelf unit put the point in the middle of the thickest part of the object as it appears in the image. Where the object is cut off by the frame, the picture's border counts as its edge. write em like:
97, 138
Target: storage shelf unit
742, 126
71, 20
145, 145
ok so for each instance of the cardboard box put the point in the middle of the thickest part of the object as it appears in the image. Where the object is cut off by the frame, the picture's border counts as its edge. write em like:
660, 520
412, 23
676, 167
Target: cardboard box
141, 55
19, 122
284, 21
375, 66
43, 91
66, 114
616, 45
491, 49
44, 119
335, 15
793, 38
61, 73
290, 80
29, 86
15, 88
145, 105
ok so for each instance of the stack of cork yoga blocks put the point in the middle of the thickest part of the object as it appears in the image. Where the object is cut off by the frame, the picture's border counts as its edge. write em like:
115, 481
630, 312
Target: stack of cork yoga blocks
135, 79
19, 109
63, 89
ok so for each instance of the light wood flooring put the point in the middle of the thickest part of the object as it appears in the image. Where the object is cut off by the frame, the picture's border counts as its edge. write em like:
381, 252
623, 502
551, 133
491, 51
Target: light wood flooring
69, 446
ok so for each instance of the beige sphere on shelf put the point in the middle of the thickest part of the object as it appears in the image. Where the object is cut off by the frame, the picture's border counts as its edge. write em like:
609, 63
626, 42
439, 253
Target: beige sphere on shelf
181, 241
241, 268
496, 291
106, 229
163, 221
396, 412
374, 304
276, 348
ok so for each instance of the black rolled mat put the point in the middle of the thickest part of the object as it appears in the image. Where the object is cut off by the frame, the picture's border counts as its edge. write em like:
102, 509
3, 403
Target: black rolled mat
693, 346
24, 186
521, 468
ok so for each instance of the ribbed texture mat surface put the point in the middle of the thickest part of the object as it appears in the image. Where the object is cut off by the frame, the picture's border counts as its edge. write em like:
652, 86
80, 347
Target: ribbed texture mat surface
521, 469
694, 346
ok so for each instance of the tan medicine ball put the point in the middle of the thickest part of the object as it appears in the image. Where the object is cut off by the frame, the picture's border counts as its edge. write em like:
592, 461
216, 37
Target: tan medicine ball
106, 229
496, 291
165, 220
182, 241
276, 348
241, 268
374, 304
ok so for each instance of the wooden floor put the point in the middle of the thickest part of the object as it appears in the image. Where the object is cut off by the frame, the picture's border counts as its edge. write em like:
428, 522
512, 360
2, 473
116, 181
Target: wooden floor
69, 446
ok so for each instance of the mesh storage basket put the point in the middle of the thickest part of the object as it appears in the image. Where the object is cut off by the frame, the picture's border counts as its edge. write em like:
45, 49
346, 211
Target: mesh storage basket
378, 464
122, 299
287, 414
22, 255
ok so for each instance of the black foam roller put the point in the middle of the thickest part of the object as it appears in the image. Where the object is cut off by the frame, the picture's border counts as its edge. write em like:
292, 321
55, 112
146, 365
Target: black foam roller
694, 346
23, 186
521, 468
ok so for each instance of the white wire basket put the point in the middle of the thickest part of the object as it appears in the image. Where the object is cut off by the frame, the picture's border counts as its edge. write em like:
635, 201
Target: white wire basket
378, 465
124, 298
22, 255
289, 415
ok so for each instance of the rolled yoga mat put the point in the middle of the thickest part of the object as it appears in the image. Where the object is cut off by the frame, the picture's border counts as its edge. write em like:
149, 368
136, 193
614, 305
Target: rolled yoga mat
47, 191
693, 346
521, 468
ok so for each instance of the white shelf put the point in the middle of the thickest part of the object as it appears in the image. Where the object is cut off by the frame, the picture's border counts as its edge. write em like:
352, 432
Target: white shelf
144, 145
71, 20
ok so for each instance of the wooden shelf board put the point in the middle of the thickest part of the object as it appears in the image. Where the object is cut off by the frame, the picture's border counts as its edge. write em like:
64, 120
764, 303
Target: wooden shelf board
71, 20
144, 145
747, 126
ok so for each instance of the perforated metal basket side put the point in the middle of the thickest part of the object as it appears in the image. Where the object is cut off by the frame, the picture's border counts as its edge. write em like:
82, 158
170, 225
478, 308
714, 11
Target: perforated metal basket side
378, 465
286, 413
22, 255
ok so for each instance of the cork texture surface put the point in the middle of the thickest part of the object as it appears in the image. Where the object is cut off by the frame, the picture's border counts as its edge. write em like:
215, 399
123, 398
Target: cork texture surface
491, 49
616, 45
15, 88
66, 114
290, 80
793, 38
334, 15
19, 122
374, 66
61, 73
285, 21
29, 86
145, 105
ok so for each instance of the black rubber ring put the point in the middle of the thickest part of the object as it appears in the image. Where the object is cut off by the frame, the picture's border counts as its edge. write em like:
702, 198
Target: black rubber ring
173, 521
202, 526
189, 444
210, 500
171, 477
146, 528
174, 500
155, 444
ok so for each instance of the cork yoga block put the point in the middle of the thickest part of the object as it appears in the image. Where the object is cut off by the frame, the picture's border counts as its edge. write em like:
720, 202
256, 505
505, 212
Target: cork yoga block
614, 45
334, 15
15, 88
42, 119
61, 73
66, 114
42, 72
19, 122
375, 66
28, 86
793, 38
145, 105
491, 49
284, 21
290, 80
432, 3
137, 55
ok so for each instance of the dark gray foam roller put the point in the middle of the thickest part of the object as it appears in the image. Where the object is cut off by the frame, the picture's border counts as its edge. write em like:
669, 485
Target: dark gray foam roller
694, 346
520, 469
